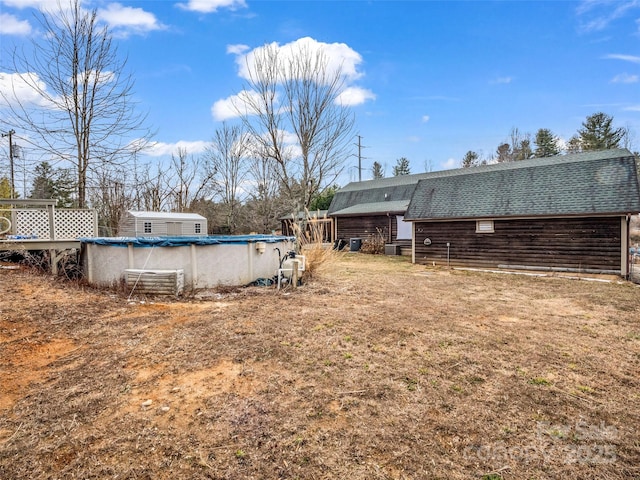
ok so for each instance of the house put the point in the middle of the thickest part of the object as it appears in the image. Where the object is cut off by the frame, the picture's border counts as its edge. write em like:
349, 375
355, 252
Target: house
161, 224
375, 207
564, 213
319, 226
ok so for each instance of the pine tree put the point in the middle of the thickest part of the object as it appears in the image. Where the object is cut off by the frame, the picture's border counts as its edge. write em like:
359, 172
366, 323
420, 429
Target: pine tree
52, 183
597, 133
377, 170
546, 143
470, 159
401, 167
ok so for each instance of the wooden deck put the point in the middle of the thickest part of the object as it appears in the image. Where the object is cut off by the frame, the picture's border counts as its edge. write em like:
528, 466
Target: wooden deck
58, 229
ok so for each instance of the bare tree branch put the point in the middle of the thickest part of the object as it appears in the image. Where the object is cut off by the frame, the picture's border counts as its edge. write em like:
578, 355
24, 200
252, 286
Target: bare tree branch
84, 113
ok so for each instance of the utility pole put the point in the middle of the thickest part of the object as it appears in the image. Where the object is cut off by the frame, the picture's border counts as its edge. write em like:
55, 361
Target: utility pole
360, 147
10, 134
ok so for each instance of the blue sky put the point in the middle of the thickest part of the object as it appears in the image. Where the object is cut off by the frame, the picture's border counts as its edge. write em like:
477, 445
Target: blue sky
429, 80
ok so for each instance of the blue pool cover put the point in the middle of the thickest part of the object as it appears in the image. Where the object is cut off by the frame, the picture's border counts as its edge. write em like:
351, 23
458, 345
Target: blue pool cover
185, 241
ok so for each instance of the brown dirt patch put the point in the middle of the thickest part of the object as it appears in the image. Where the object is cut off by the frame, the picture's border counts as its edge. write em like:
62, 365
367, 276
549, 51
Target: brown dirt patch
378, 369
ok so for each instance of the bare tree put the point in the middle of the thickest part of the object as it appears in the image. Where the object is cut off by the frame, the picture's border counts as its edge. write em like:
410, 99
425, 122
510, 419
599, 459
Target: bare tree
227, 163
518, 147
85, 113
112, 198
265, 202
298, 97
188, 182
153, 192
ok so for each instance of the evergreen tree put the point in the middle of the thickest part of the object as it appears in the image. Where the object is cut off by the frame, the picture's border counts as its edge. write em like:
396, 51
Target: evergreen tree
470, 159
43, 185
377, 170
51, 183
401, 167
5, 188
597, 133
574, 145
546, 143
323, 199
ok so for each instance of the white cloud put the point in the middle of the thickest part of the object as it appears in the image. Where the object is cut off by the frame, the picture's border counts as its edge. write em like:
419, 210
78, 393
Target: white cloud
10, 25
625, 78
40, 4
596, 15
352, 96
237, 49
230, 107
425, 118
502, 80
449, 164
103, 77
16, 87
211, 6
632, 108
626, 58
125, 20
339, 56
224, 109
160, 149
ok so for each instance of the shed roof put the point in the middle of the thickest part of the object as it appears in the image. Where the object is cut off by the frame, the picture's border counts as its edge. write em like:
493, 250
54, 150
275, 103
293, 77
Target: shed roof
589, 183
166, 215
393, 206
384, 195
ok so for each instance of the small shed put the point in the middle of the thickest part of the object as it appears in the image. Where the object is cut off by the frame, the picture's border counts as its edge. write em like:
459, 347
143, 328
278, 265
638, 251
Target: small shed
563, 213
162, 224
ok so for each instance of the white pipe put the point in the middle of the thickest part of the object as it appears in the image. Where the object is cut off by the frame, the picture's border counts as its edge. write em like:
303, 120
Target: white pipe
448, 253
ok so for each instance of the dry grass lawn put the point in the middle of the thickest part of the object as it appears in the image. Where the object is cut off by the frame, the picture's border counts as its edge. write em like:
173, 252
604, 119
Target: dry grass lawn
376, 369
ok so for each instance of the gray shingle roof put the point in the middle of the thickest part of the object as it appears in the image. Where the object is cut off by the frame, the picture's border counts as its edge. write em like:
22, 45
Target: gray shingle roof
375, 196
393, 206
590, 183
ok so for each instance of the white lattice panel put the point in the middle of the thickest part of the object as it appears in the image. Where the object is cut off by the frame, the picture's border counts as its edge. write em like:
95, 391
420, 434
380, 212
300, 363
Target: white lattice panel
69, 224
72, 224
31, 222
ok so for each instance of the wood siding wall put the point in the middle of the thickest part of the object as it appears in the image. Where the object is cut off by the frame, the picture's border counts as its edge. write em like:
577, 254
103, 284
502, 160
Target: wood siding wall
567, 243
366, 226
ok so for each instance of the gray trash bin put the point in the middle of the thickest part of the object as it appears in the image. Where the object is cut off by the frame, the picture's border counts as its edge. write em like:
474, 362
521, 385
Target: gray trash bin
355, 244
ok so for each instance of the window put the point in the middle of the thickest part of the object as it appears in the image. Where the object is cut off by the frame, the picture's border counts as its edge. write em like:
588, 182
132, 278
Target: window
198, 228
484, 226
404, 228
147, 227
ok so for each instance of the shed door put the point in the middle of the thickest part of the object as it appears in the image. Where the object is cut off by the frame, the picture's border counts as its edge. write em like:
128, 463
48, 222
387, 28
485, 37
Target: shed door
174, 229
